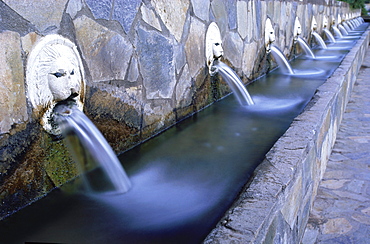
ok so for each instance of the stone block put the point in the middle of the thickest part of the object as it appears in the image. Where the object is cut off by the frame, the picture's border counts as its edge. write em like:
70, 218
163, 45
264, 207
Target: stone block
293, 202
231, 8
180, 57
220, 14
106, 52
337, 226
125, 11
34, 11
150, 18
156, 60
249, 214
250, 52
100, 9
73, 7
173, 14
13, 107
201, 9
194, 47
184, 89
233, 44
242, 12
308, 169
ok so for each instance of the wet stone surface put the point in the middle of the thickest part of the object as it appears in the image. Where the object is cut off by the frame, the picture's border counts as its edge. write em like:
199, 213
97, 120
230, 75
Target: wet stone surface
341, 210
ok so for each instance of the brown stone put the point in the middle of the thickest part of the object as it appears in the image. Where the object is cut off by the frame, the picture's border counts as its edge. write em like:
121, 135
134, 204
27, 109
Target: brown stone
337, 226
13, 108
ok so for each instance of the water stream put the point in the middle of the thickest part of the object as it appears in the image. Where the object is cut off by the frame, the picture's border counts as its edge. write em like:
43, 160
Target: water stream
73, 123
337, 32
306, 49
234, 82
281, 60
319, 40
343, 30
329, 36
183, 180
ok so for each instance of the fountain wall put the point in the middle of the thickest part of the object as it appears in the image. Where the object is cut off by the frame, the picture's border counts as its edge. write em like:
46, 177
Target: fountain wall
145, 70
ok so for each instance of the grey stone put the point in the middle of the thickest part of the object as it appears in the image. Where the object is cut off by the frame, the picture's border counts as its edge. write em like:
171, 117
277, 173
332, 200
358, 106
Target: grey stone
73, 7
13, 108
180, 57
232, 46
356, 186
12, 21
194, 47
100, 9
361, 218
220, 15
310, 235
333, 184
351, 196
125, 11
248, 217
201, 9
293, 203
249, 58
133, 71
157, 64
242, 12
257, 16
34, 11
337, 226
150, 18
184, 91
106, 52
173, 15
231, 14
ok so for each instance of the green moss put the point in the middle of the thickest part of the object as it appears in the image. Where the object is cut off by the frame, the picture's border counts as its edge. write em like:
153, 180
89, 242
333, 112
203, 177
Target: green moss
58, 163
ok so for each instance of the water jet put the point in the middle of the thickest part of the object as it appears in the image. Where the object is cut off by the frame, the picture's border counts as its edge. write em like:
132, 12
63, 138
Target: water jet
214, 52
316, 35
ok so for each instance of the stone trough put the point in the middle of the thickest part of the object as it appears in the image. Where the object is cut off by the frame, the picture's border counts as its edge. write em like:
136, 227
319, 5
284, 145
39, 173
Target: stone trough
274, 206
146, 72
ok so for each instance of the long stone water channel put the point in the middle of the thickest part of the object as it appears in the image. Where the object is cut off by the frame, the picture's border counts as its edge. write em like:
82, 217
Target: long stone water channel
185, 179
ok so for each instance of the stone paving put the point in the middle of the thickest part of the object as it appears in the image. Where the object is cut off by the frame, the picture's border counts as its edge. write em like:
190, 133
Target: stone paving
341, 210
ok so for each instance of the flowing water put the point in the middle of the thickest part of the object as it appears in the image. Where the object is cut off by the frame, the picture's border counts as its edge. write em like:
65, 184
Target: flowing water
281, 60
319, 40
306, 49
234, 82
73, 123
183, 180
329, 36
343, 30
337, 32
286, 68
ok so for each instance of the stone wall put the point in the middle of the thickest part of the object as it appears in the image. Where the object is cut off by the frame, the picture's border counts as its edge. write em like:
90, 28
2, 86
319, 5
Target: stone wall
145, 70
274, 206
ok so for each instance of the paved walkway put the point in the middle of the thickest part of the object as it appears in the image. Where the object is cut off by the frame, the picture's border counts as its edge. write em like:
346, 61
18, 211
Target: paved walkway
341, 210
